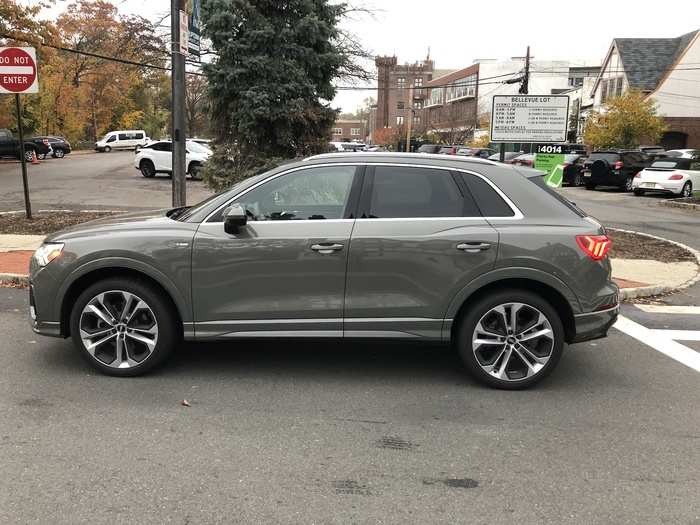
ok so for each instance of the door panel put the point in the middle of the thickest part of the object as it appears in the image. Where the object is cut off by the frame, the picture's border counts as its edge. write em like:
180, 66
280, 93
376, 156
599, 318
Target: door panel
284, 272
419, 239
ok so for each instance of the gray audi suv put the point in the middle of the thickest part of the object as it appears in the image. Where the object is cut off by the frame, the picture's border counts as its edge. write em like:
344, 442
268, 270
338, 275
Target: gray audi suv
359, 246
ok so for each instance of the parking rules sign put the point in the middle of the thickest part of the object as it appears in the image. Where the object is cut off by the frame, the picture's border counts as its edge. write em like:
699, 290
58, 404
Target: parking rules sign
18, 70
529, 118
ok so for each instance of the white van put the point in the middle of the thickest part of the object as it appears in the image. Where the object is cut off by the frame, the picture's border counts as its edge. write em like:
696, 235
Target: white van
122, 139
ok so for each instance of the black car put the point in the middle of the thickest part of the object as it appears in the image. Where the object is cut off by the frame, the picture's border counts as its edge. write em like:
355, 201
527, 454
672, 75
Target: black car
508, 157
483, 153
429, 148
573, 169
60, 146
614, 167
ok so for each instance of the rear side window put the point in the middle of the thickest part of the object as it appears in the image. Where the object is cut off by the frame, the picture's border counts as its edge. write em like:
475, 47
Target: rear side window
405, 192
487, 199
539, 182
610, 157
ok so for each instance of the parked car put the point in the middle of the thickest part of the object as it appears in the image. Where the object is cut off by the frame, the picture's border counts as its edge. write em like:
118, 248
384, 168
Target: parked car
10, 146
203, 142
157, 157
448, 149
652, 150
345, 245
573, 169
678, 176
59, 147
347, 146
526, 159
124, 139
429, 148
684, 153
613, 167
483, 153
42, 147
508, 158
376, 148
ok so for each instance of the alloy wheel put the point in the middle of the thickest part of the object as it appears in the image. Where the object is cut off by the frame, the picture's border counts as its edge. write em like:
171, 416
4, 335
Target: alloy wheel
687, 189
513, 341
29, 155
628, 184
118, 329
59, 154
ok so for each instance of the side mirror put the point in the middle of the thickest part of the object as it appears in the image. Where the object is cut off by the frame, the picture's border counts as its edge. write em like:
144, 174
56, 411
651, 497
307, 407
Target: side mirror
234, 219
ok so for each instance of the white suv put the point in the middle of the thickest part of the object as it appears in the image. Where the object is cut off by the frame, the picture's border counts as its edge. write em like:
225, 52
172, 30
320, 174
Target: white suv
157, 157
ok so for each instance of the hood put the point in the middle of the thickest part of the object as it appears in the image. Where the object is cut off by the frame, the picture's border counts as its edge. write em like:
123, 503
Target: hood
129, 221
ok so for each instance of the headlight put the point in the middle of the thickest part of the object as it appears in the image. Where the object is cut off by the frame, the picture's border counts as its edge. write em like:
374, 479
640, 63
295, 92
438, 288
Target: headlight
47, 253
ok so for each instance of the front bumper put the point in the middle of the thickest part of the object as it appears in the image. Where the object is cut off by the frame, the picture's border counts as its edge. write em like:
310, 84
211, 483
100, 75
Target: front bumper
594, 325
52, 329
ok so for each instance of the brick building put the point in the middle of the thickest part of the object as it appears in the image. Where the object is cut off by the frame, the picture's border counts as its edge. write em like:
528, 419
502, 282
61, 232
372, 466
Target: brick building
450, 109
400, 87
349, 131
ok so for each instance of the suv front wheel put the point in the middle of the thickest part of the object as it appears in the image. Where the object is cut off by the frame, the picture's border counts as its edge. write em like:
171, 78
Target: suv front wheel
510, 339
123, 326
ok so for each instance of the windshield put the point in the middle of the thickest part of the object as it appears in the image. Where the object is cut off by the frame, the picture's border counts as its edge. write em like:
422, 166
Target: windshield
197, 148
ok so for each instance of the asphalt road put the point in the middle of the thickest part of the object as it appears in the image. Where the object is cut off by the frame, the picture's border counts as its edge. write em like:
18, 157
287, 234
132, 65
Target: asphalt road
339, 433
89, 181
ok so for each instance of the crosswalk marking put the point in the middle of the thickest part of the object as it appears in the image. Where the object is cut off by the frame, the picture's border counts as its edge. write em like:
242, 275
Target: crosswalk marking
660, 343
679, 335
668, 309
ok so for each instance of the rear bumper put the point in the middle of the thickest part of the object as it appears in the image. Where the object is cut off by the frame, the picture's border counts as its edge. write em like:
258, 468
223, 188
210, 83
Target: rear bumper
609, 179
594, 325
667, 186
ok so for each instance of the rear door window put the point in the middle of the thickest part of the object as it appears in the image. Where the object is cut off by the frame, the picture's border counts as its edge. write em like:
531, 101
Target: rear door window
489, 202
612, 158
408, 192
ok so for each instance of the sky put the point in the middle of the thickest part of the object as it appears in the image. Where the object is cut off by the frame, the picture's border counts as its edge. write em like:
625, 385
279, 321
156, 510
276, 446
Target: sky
459, 31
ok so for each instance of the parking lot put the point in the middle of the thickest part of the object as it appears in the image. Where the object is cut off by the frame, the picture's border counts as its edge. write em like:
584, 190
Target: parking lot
348, 433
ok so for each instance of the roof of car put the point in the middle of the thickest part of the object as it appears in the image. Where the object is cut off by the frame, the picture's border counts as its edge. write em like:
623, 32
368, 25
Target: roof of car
389, 156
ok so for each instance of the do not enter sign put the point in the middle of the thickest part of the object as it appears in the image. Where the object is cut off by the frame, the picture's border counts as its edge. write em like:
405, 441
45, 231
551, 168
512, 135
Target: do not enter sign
18, 71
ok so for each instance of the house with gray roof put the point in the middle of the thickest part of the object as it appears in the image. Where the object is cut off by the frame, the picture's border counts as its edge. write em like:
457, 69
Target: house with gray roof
667, 70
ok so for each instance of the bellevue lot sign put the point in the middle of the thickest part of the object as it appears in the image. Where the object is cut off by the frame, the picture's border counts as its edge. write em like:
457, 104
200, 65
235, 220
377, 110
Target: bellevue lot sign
529, 118
18, 71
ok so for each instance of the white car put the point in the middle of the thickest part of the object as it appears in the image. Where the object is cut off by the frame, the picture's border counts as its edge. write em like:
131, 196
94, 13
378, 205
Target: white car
157, 157
684, 153
674, 175
122, 139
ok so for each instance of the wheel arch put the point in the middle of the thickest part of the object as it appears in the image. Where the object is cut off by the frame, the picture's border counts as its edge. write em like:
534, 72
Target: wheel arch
549, 288
95, 273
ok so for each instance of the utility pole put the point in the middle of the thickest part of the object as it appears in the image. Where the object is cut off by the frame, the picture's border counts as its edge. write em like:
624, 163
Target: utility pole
178, 103
525, 85
410, 120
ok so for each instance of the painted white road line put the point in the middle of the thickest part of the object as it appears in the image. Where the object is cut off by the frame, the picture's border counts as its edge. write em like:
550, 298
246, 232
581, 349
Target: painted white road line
679, 335
668, 309
666, 346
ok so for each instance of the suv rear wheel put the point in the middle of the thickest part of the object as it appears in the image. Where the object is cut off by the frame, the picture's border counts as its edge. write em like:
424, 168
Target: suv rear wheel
147, 168
627, 186
123, 326
510, 339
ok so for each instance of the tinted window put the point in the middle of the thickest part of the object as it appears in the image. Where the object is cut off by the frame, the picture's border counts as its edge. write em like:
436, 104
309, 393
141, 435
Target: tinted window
694, 165
539, 181
314, 193
112, 138
415, 192
123, 136
428, 148
489, 202
610, 157
139, 135
163, 146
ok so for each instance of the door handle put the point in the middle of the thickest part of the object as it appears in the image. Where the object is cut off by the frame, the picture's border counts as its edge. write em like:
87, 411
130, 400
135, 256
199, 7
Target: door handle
327, 248
473, 247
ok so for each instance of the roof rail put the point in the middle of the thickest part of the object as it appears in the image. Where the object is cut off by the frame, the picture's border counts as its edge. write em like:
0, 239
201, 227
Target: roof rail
459, 158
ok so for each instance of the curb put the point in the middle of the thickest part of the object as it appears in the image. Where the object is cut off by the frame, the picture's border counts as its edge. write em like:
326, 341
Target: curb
16, 278
649, 291
682, 205
15, 212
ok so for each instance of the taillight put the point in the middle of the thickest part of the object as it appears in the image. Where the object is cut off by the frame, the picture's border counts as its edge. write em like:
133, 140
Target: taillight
595, 246
638, 175
676, 176
566, 165
619, 165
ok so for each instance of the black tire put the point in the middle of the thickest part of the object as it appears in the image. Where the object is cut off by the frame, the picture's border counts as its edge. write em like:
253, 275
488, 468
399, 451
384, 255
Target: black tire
169, 328
29, 155
578, 180
638, 192
627, 186
590, 186
687, 190
59, 153
107, 149
474, 313
147, 168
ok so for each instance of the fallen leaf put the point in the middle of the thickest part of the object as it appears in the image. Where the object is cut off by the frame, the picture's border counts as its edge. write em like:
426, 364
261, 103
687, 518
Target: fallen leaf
185, 403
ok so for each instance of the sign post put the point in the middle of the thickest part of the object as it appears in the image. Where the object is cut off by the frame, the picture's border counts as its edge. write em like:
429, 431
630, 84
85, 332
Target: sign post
18, 74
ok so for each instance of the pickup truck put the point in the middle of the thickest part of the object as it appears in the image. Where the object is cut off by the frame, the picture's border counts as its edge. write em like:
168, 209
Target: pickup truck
9, 146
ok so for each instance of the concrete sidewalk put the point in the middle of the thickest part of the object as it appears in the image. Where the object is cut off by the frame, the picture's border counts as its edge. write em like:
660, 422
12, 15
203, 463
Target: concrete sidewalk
635, 277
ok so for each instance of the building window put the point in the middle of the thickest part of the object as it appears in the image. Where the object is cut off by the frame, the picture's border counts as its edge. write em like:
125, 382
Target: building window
416, 121
575, 81
355, 131
337, 131
418, 104
401, 82
618, 87
462, 88
418, 82
437, 96
400, 104
399, 121
603, 91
